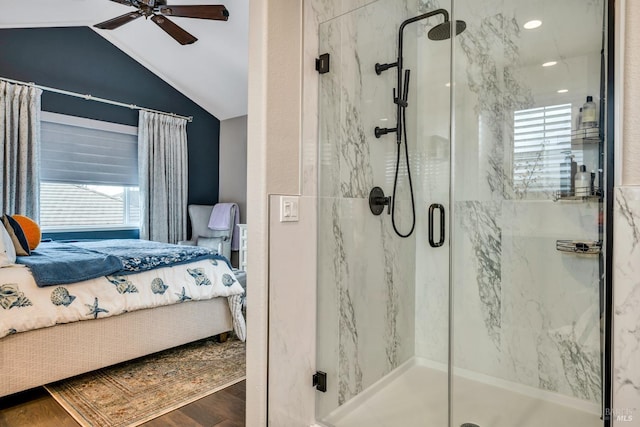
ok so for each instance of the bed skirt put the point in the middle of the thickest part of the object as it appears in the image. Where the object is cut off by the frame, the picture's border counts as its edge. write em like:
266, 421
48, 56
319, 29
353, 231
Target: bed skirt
34, 358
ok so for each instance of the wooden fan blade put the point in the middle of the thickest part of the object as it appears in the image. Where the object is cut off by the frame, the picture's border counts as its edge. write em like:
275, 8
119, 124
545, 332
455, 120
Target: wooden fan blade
217, 12
180, 35
120, 20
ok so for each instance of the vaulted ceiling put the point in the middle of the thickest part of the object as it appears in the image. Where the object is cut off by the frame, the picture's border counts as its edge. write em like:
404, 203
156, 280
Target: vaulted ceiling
212, 71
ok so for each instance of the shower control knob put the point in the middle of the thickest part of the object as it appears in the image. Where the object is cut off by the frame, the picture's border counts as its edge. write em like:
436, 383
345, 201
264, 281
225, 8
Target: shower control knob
377, 201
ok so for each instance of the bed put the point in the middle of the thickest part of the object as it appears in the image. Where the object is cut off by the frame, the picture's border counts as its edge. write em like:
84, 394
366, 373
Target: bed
53, 331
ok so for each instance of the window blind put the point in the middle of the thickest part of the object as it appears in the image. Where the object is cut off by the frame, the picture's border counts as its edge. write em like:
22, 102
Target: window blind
542, 143
83, 151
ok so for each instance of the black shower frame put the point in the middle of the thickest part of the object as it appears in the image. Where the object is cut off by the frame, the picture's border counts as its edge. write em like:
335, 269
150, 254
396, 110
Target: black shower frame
609, 153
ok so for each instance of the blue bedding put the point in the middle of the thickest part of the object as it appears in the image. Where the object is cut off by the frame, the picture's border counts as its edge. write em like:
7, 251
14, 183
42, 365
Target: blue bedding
54, 263
62, 263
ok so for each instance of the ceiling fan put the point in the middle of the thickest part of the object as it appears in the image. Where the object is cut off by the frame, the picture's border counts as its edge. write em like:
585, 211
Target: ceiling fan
158, 11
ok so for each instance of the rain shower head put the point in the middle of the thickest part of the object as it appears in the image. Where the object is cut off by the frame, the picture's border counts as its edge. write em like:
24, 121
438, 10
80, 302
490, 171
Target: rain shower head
443, 31
439, 32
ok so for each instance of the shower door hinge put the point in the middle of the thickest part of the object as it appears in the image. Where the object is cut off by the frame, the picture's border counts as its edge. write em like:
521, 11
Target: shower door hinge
320, 381
322, 63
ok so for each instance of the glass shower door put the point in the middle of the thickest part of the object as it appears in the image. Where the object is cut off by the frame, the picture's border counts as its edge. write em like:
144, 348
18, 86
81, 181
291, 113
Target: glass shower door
382, 298
526, 252
496, 320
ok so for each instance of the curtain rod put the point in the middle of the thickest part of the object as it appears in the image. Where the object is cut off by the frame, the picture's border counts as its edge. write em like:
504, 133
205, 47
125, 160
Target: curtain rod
95, 98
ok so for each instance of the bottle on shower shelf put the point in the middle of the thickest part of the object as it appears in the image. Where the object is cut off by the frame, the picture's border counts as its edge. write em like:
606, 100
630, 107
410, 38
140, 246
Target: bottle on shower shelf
589, 116
568, 168
567, 182
582, 182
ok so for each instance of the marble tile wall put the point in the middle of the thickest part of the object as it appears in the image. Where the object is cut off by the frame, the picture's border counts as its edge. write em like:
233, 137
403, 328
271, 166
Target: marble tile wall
533, 311
626, 316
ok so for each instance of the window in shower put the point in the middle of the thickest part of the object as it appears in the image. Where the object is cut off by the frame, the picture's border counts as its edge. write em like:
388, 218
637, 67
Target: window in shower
542, 143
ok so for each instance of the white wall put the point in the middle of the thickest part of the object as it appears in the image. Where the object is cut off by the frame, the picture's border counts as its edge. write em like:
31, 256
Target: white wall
292, 300
233, 163
631, 106
274, 122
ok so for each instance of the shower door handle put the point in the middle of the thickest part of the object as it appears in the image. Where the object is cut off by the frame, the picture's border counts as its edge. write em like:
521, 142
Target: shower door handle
432, 208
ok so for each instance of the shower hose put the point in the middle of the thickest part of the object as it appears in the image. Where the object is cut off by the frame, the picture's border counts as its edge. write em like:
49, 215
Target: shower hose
395, 181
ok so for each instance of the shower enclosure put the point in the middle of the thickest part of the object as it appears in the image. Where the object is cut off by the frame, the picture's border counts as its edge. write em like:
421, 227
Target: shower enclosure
477, 294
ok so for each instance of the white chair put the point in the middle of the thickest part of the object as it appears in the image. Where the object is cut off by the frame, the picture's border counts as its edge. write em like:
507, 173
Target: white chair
202, 235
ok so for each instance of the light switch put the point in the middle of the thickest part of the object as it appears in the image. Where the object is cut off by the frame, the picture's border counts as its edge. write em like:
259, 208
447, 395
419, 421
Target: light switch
289, 208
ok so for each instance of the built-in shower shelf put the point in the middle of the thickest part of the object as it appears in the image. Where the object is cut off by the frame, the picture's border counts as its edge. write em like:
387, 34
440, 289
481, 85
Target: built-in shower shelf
589, 135
586, 195
582, 247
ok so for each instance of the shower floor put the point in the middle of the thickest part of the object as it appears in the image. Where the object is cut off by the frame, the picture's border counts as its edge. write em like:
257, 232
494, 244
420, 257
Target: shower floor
416, 397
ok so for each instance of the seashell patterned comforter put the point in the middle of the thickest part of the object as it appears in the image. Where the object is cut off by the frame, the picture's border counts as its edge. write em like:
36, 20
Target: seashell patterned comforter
24, 306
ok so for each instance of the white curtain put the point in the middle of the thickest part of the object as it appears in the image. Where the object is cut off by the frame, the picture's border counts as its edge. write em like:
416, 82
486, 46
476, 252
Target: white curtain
20, 150
162, 165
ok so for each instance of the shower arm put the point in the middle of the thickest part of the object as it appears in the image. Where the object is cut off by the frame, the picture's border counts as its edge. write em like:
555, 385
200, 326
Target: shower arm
400, 98
384, 67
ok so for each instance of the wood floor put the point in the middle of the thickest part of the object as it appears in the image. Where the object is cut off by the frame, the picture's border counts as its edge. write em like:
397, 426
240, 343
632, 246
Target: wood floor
36, 408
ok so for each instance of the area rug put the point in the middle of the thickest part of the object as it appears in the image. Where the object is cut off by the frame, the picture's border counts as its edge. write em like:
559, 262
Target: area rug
131, 393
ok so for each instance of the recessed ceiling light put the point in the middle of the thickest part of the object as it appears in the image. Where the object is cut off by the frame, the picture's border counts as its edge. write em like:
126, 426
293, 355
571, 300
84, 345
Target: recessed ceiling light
563, 90
532, 24
549, 64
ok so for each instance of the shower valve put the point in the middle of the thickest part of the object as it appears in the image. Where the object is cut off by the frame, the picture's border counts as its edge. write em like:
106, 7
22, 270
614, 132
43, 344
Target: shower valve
377, 201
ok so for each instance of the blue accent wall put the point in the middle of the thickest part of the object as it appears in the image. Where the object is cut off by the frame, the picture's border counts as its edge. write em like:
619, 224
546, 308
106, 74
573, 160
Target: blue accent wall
77, 59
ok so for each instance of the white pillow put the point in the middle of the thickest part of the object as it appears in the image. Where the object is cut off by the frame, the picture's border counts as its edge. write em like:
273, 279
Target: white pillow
7, 250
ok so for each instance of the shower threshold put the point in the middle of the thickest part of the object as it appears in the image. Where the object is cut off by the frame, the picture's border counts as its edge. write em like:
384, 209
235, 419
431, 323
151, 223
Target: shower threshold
415, 395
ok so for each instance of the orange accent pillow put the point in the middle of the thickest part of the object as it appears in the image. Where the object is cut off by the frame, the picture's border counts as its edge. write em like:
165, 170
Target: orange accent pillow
31, 230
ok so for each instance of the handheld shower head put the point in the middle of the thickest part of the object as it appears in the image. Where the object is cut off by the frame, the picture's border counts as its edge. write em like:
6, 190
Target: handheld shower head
443, 31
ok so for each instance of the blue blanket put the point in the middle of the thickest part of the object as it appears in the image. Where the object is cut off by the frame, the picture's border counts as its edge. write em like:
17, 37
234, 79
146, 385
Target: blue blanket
61, 263
54, 263
142, 255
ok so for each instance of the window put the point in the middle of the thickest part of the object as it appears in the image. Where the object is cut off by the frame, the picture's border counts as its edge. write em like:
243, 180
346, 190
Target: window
542, 143
89, 174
